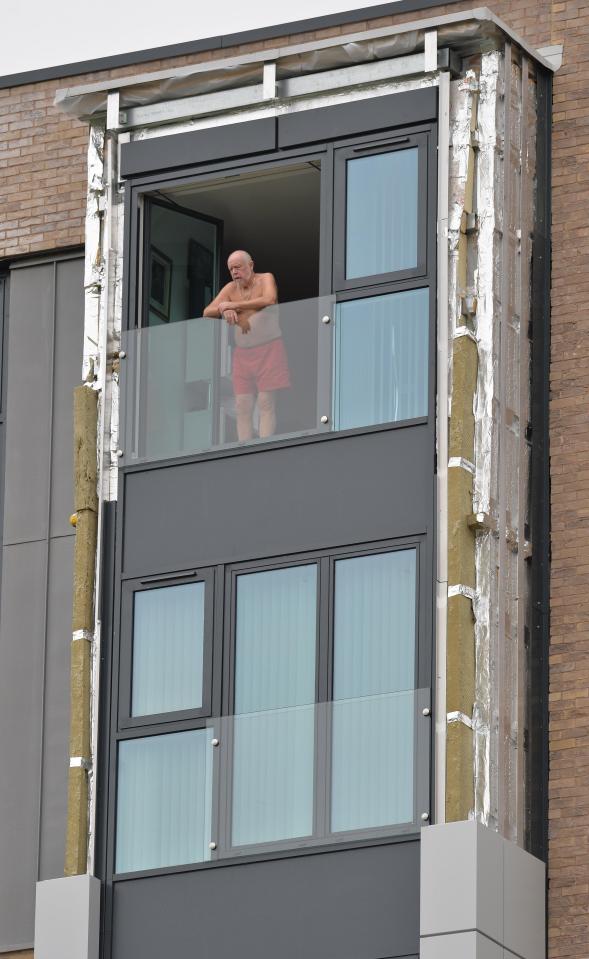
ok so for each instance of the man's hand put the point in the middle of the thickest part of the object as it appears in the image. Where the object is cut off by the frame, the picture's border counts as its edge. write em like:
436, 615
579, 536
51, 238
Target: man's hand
233, 318
225, 305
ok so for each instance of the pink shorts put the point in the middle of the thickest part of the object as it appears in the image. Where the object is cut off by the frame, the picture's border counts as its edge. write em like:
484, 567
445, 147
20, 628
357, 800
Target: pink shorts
260, 368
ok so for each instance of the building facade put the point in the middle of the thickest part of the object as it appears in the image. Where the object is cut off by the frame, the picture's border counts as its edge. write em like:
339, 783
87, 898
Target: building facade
306, 683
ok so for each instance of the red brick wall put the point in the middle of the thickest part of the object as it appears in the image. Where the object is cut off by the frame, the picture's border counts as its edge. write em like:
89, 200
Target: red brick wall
42, 189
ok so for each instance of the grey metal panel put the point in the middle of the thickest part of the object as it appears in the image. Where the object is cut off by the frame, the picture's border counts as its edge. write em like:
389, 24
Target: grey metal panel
69, 333
363, 116
350, 904
184, 149
57, 709
67, 918
28, 407
278, 501
460, 945
22, 620
43, 362
524, 902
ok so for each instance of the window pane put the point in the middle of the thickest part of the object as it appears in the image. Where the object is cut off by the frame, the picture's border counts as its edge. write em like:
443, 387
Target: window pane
381, 359
373, 682
163, 801
381, 221
276, 626
274, 696
168, 639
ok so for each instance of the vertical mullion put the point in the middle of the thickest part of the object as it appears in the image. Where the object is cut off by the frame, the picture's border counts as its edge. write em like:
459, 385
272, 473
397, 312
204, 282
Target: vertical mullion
224, 782
322, 708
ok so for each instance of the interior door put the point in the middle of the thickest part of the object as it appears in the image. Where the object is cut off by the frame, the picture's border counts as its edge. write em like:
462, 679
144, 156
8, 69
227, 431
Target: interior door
180, 382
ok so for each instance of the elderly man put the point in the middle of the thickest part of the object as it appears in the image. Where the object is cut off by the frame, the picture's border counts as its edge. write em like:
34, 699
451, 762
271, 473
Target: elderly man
260, 366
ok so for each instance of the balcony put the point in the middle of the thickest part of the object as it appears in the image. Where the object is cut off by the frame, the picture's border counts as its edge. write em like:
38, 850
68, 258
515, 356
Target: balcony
303, 367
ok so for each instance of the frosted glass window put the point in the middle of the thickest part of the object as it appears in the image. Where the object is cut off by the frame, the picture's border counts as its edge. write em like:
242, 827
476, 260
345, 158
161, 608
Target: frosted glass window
381, 213
373, 691
381, 359
275, 638
164, 801
276, 626
168, 643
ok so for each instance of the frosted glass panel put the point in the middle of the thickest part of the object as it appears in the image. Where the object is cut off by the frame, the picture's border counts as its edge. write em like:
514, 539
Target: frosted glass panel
373, 683
381, 221
168, 637
273, 775
372, 761
163, 801
381, 359
274, 676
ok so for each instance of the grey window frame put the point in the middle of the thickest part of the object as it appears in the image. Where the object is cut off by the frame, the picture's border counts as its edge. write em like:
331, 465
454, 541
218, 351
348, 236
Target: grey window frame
376, 147
131, 588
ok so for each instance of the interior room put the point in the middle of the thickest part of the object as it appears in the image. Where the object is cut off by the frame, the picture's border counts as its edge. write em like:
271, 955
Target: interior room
273, 214
190, 231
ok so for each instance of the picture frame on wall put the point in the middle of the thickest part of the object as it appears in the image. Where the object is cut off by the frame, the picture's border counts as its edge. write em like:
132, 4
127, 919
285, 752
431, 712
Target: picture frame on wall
160, 283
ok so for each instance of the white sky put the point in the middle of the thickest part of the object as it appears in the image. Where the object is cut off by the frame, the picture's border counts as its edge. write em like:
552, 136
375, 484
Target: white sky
37, 34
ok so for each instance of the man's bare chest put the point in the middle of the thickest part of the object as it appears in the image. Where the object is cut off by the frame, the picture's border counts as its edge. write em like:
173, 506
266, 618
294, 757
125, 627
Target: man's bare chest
239, 294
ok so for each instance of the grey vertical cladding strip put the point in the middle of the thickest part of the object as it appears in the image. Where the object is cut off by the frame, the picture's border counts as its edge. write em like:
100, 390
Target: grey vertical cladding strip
56, 709
67, 352
21, 679
43, 350
69, 334
43, 631
28, 416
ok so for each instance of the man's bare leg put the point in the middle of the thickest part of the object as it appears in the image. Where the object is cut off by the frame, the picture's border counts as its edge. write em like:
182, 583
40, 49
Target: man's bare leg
244, 405
267, 410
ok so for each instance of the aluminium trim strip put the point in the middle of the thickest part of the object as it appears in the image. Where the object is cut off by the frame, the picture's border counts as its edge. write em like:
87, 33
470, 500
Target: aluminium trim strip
459, 462
456, 716
460, 590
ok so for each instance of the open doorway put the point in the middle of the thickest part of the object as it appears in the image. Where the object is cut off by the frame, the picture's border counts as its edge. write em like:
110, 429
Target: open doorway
273, 214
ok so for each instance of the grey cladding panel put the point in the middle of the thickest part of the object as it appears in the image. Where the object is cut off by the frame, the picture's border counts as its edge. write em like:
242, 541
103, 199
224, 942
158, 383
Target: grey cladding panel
57, 708
44, 363
279, 501
69, 334
363, 116
28, 406
202, 146
22, 637
354, 904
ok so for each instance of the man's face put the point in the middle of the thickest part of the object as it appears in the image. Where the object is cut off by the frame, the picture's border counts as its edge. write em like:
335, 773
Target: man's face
239, 267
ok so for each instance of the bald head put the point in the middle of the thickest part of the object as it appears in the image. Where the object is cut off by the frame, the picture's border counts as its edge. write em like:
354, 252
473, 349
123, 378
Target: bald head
240, 266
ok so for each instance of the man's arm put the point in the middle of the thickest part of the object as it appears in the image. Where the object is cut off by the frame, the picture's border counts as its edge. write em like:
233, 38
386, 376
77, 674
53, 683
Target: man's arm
268, 296
213, 310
